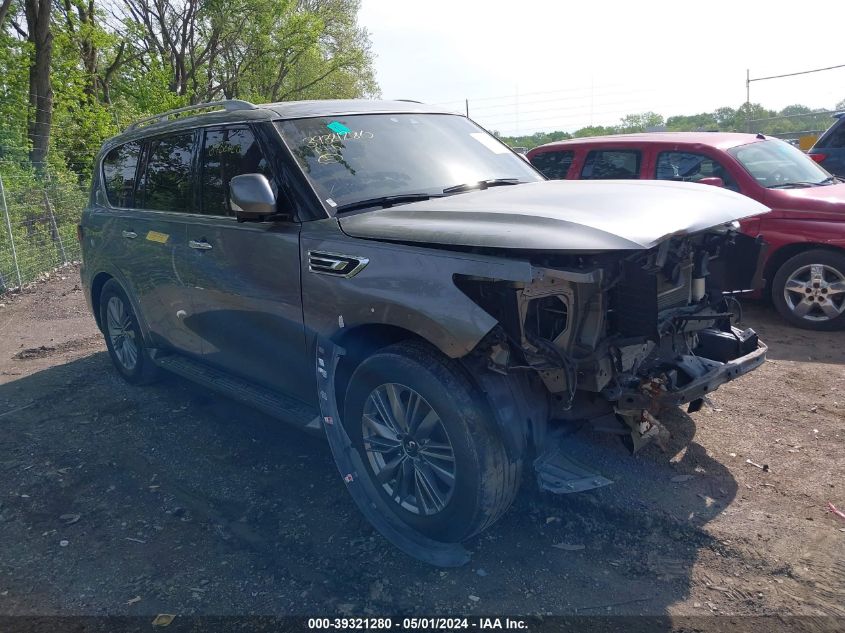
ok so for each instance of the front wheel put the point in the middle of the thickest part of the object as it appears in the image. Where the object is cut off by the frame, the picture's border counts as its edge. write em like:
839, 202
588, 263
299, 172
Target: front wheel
809, 290
429, 442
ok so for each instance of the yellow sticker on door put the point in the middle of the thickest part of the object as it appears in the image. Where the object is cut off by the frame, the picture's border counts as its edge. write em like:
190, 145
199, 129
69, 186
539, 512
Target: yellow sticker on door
155, 236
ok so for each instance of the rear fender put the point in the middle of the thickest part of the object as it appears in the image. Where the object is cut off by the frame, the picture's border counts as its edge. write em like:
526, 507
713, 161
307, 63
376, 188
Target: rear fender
95, 309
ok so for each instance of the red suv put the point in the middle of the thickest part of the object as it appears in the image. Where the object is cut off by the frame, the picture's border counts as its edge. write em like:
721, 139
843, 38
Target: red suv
805, 229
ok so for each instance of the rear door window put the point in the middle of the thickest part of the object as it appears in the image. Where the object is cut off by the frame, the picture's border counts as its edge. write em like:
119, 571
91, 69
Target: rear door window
691, 167
554, 165
835, 138
168, 183
119, 172
612, 164
227, 153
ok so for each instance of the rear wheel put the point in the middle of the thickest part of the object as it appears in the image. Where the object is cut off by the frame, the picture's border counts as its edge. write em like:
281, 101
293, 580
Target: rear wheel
429, 442
809, 290
123, 336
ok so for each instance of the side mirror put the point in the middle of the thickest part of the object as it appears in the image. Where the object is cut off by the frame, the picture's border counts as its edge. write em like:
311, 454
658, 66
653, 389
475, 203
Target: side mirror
251, 197
714, 181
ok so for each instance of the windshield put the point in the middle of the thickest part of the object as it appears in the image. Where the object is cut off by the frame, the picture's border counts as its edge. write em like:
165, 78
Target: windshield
777, 164
356, 158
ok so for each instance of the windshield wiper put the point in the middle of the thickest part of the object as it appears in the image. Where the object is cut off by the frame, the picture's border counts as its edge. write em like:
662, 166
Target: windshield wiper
795, 185
482, 184
385, 201
830, 180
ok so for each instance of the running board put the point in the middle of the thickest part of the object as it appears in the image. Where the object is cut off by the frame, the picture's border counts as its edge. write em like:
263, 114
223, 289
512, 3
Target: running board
560, 474
265, 400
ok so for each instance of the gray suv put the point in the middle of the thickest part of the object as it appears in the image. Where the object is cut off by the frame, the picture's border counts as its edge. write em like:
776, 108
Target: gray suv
396, 278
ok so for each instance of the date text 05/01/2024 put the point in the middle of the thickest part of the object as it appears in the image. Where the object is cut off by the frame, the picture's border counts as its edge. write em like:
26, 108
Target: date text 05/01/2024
424, 623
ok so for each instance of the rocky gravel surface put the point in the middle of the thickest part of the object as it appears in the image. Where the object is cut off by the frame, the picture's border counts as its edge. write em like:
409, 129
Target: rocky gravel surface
126, 500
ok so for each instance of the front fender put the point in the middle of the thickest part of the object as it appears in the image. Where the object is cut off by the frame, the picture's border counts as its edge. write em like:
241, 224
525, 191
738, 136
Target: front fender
784, 231
408, 287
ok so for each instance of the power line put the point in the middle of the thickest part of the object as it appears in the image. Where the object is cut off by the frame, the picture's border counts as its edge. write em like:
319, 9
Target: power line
795, 116
803, 72
521, 94
556, 117
749, 81
583, 97
570, 111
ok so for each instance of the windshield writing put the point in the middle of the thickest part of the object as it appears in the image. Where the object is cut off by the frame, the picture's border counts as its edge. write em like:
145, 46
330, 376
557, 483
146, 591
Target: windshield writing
354, 158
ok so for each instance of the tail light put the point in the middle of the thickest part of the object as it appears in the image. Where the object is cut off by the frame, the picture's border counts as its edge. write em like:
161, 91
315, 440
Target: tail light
818, 157
79, 233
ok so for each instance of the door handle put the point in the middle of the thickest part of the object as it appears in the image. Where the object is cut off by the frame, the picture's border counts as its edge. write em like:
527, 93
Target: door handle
130, 235
200, 246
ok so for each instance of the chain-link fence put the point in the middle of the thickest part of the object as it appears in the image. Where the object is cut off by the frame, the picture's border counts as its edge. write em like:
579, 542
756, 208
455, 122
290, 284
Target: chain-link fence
38, 218
793, 126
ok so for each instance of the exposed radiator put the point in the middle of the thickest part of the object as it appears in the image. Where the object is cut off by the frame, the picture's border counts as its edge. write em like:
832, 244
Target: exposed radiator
675, 296
641, 294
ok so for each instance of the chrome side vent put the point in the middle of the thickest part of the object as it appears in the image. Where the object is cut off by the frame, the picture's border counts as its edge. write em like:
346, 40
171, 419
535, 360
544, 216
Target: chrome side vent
335, 264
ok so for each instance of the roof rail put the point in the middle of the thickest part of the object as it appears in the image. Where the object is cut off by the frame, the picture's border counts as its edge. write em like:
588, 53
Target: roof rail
230, 105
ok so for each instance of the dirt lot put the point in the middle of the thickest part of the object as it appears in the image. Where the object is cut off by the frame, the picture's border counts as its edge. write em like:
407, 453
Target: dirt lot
124, 500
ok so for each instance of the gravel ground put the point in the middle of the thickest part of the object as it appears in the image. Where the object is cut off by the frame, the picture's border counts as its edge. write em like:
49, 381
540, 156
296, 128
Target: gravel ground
126, 500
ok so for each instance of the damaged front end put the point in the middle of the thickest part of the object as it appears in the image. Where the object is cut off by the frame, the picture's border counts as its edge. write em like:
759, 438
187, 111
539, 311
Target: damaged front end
619, 337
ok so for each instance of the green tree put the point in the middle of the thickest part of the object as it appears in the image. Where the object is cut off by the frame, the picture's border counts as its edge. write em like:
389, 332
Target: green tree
640, 122
595, 130
752, 117
725, 118
122, 60
14, 82
689, 123
267, 50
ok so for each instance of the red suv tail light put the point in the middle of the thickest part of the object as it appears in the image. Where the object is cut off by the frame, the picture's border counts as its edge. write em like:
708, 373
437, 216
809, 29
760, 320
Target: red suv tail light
818, 157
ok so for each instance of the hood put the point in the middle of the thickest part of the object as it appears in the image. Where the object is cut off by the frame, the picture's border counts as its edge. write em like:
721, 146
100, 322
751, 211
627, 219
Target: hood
561, 215
826, 202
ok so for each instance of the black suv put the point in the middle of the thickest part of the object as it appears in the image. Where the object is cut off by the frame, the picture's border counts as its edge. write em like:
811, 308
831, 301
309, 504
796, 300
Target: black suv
829, 150
395, 277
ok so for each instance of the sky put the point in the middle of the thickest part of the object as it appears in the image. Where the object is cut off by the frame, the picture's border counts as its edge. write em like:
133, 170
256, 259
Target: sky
538, 65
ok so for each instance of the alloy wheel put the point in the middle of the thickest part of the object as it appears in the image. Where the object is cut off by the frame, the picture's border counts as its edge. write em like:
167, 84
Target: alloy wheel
121, 333
815, 292
408, 449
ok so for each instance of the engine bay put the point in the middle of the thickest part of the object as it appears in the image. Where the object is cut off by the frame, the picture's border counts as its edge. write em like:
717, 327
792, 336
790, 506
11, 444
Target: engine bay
624, 335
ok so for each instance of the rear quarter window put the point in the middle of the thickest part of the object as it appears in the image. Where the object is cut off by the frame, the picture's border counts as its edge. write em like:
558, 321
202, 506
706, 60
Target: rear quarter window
835, 137
613, 164
120, 168
554, 165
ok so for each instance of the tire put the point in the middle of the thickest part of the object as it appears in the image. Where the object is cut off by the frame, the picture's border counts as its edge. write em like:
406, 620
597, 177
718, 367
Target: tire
808, 290
484, 481
124, 340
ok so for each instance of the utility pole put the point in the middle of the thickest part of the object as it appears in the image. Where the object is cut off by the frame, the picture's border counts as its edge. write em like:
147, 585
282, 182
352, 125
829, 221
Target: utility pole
747, 86
748, 99
748, 81
467, 104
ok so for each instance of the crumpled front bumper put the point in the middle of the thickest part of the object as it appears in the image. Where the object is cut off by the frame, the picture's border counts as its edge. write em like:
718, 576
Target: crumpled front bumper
652, 399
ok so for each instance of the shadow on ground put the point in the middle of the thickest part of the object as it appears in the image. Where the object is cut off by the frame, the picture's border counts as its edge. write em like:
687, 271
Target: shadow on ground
166, 498
791, 343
